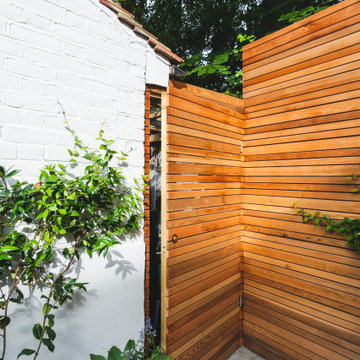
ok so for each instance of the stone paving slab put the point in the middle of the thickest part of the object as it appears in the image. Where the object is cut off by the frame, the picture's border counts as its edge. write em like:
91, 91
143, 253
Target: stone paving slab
243, 353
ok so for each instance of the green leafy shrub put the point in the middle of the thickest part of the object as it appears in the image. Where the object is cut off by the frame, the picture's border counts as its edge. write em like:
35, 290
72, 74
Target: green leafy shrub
59, 218
137, 350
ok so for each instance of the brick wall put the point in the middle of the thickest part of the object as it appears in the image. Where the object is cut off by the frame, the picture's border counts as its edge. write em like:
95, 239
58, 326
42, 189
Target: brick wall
75, 55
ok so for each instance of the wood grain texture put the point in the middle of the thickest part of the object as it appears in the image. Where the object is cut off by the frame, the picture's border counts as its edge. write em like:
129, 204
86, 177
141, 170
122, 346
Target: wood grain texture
234, 212
302, 102
147, 204
205, 130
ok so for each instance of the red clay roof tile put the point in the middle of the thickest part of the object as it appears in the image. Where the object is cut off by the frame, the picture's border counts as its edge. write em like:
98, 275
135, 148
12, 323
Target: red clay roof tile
153, 41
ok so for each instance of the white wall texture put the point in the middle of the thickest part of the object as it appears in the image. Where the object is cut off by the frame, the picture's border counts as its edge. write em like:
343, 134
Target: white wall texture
78, 54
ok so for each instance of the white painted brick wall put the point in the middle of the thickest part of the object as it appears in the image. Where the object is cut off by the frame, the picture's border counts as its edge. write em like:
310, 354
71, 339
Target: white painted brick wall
55, 53
74, 54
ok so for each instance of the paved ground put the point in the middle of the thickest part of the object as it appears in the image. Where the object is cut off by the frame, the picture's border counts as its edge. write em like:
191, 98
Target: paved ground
244, 354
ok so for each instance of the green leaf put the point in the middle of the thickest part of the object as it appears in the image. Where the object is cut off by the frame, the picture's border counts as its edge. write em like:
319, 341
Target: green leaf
220, 59
46, 309
40, 259
130, 345
37, 331
114, 354
19, 298
202, 71
26, 352
8, 248
5, 257
51, 180
62, 232
2, 172
45, 214
16, 301
96, 357
20, 295
51, 320
50, 332
53, 207
12, 173
62, 211
74, 213
49, 344
160, 357
4, 322
43, 175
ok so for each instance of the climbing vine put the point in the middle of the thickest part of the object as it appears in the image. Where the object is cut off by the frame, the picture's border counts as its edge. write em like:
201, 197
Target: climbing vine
349, 228
57, 219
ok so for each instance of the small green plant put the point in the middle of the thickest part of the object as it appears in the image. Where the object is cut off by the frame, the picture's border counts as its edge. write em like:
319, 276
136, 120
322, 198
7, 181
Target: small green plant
349, 228
137, 350
58, 219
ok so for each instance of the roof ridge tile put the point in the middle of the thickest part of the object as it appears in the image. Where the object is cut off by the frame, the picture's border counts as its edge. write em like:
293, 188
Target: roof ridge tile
128, 18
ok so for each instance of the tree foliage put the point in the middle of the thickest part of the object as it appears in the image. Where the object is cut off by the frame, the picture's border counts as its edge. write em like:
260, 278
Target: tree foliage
205, 32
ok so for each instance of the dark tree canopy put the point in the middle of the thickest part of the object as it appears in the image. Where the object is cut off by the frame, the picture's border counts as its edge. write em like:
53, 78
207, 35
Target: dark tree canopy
207, 28
189, 27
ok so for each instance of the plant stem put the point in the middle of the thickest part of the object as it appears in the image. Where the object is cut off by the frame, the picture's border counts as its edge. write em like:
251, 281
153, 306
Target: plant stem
15, 283
2, 221
75, 248
5, 184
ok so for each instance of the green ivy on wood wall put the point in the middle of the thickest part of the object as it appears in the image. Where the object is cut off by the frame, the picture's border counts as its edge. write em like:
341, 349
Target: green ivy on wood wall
349, 228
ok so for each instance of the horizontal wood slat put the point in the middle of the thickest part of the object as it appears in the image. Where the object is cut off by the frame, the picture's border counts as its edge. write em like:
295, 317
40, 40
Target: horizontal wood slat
319, 21
304, 58
313, 77
322, 36
202, 143
235, 171
221, 99
302, 106
203, 179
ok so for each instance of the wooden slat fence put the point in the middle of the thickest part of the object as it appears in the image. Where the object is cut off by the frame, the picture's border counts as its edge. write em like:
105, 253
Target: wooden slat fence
302, 139
202, 317
147, 203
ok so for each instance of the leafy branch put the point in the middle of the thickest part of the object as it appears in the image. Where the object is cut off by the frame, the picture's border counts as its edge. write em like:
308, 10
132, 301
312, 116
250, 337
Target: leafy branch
349, 228
296, 15
219, 65
61, 217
